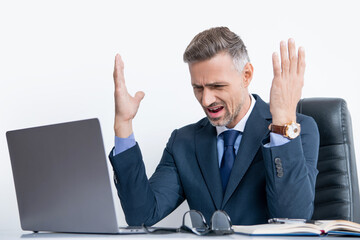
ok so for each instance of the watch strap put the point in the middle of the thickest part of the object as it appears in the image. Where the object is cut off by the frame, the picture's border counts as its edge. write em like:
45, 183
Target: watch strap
278, 129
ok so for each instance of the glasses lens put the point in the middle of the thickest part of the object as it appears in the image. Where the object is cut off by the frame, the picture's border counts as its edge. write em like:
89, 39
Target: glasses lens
220, 221
194, 220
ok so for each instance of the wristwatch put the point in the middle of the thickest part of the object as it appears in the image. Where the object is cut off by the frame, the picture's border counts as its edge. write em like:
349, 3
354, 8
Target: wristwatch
289, 130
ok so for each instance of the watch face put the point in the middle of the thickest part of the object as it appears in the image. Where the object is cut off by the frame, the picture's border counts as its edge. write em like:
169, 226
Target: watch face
293, 130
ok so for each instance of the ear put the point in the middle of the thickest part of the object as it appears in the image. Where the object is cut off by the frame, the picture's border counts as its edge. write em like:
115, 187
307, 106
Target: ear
248, 72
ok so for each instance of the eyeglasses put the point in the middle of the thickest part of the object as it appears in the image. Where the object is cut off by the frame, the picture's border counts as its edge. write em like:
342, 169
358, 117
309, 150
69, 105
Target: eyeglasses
194, 222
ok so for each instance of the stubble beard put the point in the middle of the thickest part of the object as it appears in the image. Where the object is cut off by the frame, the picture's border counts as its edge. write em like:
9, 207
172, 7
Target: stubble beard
227, 119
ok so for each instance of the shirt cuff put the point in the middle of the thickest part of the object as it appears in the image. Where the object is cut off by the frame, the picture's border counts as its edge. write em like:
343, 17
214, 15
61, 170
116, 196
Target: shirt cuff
276, 140
123, 144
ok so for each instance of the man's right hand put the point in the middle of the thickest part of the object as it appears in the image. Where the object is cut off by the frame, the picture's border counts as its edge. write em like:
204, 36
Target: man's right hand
126, 106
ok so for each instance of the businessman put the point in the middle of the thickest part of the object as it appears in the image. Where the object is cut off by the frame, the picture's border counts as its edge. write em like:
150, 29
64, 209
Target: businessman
251, 159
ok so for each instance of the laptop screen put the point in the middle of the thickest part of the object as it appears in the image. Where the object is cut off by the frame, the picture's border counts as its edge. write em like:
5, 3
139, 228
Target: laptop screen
61, 178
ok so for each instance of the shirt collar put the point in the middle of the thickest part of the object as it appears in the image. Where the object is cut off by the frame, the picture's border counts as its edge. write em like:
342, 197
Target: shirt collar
241, 125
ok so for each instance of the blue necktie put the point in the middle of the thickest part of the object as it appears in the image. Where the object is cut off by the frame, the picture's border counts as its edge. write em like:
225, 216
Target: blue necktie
228, 159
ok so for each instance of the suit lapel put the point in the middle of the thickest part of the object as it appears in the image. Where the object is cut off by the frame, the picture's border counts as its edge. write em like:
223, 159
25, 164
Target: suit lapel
206, 154
255, 130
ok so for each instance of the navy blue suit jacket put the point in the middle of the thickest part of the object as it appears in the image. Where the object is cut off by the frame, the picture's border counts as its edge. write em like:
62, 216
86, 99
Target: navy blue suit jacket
189, 170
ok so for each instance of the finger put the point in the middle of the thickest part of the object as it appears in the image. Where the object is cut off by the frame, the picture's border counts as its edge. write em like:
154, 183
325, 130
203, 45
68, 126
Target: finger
118, 70
284, 58
301, 61
276, 65
139, 96
292, 56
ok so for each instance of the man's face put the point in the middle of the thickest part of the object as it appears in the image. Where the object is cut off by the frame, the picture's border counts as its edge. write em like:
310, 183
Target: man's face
221, 89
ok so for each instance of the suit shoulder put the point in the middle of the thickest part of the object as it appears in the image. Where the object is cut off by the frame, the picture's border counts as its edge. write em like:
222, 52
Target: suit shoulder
187, 133
193, 127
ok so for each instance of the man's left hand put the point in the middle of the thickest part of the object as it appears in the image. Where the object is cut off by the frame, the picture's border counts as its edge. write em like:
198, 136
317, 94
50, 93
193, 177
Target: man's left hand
287, 84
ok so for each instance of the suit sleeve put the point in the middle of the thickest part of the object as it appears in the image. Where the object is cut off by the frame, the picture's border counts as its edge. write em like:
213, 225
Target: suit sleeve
146, 201
291, 174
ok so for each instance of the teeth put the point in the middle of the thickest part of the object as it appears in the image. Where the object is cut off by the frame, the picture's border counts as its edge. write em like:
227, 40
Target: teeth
215, 109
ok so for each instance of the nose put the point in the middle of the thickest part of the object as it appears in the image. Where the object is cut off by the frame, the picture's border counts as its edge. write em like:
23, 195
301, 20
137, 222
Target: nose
208, 97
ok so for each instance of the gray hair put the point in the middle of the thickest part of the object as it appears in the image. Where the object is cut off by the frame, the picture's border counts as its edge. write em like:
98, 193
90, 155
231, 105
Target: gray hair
208, 43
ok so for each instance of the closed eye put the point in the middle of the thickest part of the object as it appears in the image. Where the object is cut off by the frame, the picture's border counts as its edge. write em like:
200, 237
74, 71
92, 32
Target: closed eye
196, 87
217, 86
210, 86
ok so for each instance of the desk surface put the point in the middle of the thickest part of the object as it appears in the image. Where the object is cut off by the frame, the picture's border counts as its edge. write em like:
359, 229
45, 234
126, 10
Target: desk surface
11, 235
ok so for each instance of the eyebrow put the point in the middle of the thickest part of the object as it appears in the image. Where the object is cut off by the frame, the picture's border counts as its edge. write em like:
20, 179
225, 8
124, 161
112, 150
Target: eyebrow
214, 84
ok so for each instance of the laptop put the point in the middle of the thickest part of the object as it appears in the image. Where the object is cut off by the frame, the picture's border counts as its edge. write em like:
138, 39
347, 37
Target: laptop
61, 179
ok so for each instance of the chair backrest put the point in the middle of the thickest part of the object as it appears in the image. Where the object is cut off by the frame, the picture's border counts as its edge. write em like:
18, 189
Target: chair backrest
337, 190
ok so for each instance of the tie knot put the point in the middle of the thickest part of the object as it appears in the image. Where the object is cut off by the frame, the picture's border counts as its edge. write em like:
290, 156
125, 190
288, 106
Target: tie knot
230, 137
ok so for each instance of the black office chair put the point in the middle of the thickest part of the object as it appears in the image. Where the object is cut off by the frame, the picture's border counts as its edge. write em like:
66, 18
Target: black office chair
337, 190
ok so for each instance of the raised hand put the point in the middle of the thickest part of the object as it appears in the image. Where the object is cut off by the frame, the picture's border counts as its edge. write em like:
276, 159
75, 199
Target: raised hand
287, 84
126, 106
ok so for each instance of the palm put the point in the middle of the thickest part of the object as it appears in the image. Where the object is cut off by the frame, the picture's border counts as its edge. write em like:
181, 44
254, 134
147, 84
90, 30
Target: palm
126, 106
287, 83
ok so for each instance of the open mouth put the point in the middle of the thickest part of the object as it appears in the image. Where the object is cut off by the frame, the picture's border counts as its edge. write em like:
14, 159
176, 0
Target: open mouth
215, 109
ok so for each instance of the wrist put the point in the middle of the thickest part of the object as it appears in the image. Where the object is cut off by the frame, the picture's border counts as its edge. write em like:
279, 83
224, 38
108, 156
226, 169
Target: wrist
123, 129
289, 130
281, 121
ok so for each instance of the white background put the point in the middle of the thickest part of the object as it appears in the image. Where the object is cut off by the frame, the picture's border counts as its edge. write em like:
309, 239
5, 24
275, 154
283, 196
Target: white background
56, 62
